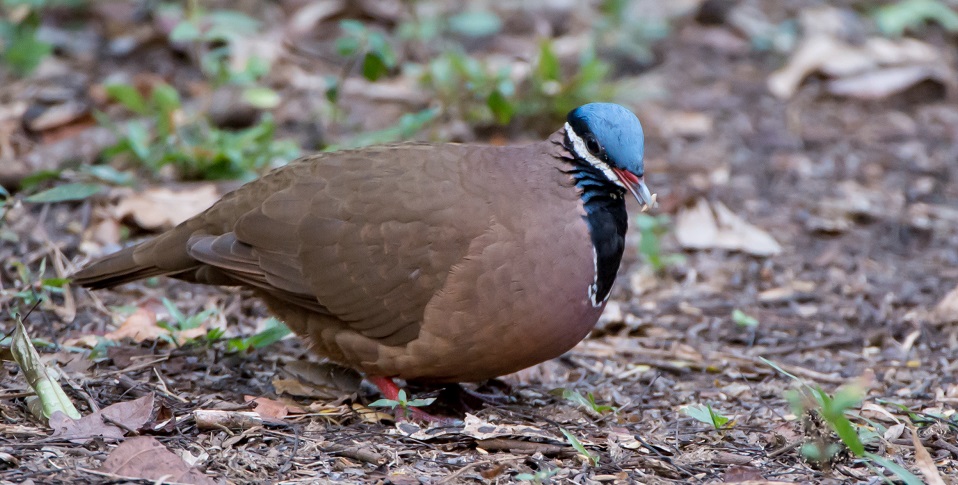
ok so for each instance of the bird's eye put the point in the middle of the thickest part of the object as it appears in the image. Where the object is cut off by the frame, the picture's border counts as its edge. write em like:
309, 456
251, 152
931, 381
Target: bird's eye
593, 145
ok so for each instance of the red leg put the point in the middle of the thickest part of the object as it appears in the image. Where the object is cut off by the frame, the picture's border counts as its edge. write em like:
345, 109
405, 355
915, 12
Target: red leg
390, 391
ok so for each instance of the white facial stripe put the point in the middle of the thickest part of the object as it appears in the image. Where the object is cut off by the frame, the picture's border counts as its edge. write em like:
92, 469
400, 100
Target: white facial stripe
583, 152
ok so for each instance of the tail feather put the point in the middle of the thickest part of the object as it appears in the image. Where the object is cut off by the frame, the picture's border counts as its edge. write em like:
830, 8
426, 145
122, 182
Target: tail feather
164, 255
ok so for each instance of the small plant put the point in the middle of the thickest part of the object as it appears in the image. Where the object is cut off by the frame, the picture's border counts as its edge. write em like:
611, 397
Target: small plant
273, 331
592, 457
213, 38
23, 51
540, 476
469, 88
651, 229
369, 47
189, 142
895, 18
744, 320
181, 322
705, 414
587, 401
34, 287
402, 402
816, 404
550, 93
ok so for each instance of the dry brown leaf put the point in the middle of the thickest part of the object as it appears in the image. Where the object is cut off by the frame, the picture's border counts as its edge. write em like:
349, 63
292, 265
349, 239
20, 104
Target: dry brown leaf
162, 208
139, 326
882, 83
479, 429
714, 226
271, 408
318, 380
923, 460
947, 309
129, 416
863, 70
371, 416
145, 457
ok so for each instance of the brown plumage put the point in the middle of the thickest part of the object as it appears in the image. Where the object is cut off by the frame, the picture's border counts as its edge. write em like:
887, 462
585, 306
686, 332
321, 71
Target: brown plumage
443, 263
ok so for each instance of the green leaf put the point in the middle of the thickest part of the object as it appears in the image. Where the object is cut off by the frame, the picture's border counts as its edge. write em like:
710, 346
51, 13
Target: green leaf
905, 475
548, 68
423, 402
384, 403
705, 414
109, 174
24, 52
478, 23
501, 108
273, 332
129, 97
897, 17
42, 380
374, 67
165, 98
54, 282
743, 320
138, 139
347, 46
34, 179
64, 193
184, 31
261, 97
593, 458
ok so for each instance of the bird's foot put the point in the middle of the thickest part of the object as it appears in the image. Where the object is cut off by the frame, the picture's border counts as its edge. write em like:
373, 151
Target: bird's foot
467, 399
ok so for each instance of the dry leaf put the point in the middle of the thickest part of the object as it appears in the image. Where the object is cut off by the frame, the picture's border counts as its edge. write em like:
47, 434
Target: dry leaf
923, 460
876, 68
162, 208
272, 409
145, 457
481, 430
714, 226
130, 415
947, 309
139, 326
882, 83
318, 381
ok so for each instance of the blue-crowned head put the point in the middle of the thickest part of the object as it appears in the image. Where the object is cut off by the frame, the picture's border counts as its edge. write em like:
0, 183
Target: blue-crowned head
610, 138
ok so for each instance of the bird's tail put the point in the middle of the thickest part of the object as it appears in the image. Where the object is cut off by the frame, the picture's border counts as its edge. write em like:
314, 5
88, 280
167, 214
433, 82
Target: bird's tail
165, 255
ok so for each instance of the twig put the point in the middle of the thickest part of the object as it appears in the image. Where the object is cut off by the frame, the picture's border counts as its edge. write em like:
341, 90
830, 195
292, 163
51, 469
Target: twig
785, 449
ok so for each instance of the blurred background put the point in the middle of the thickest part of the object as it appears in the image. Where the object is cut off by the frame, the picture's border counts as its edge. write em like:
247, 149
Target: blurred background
804, 153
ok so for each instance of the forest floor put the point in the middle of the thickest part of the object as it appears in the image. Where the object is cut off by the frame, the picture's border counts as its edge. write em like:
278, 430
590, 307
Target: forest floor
859, 194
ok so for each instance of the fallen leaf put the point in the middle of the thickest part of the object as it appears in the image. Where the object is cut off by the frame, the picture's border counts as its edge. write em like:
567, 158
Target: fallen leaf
481, 430
53, 401
714, 226
882, 83
924, 462
865, 70
158, 208
272, 409
129, 415
145, 457
318, 381
139, 326
947, 309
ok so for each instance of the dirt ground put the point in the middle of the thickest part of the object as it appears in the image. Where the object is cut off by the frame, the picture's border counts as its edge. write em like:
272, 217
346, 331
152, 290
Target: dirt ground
860, 194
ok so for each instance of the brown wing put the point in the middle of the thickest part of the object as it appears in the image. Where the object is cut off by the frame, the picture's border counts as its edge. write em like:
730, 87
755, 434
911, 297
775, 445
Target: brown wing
367, 237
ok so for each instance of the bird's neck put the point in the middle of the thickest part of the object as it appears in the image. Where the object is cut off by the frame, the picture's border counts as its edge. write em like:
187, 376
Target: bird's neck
605, 214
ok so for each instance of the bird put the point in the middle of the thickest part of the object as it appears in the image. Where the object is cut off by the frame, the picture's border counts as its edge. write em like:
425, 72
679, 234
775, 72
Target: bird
433, 263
